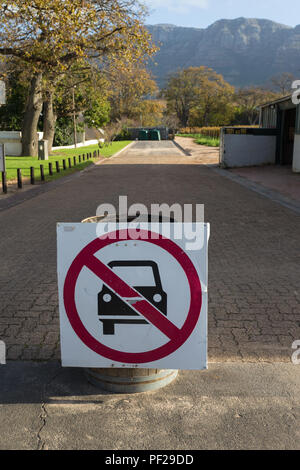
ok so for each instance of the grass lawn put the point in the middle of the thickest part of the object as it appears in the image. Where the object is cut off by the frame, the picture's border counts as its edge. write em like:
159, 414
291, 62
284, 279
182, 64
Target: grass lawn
203, 139
24, 163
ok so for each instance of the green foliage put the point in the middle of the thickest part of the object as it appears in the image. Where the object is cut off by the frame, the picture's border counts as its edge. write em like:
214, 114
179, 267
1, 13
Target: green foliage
113, 147
64, 131
209, 141
123, 135
203, 139
11, 114
98, 113
24, 163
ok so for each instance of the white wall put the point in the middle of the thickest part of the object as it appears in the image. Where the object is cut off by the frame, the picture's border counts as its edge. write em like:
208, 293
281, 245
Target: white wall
82, 144
247, 150
296, 159
12, 141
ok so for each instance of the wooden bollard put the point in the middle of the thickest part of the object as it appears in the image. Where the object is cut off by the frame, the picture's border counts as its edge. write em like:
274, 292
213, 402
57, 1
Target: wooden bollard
42, 173
57, 167
83, 156
70, 164
50, 169
4, 182
64, 165
79, 158
32, 179
19, 177
74, 160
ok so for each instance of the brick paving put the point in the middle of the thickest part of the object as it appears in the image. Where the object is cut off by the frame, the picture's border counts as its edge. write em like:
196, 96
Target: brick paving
199, 153
280, 178
254, 256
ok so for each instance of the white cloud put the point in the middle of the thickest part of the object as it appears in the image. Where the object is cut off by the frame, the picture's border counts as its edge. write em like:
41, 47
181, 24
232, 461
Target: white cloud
178, 6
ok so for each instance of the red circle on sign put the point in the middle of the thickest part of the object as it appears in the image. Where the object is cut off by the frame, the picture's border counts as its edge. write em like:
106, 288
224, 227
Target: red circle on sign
121, 356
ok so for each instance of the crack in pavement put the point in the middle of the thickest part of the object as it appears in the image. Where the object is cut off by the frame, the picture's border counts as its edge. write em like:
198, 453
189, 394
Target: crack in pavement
44, 414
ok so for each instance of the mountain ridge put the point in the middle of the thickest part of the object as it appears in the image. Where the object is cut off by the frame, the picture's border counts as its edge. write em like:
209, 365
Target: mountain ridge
246, 51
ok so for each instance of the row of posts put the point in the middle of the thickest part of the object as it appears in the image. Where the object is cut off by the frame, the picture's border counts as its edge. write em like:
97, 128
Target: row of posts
81, 158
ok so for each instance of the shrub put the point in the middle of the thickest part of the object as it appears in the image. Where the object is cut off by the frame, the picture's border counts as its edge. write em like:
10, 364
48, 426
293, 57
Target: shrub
208, 131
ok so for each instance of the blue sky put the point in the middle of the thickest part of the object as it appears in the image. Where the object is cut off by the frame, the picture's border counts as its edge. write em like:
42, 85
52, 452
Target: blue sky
202, 13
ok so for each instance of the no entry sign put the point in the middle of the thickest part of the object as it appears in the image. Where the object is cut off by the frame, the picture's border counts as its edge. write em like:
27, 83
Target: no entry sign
135, 303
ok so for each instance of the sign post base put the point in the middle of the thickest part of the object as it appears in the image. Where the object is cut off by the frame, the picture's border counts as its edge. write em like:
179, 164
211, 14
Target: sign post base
130, 380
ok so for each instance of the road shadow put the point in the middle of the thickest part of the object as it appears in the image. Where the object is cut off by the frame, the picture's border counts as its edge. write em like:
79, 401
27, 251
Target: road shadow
48, 382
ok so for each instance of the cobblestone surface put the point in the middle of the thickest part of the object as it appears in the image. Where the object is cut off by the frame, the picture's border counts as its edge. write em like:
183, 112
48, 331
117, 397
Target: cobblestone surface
254, 256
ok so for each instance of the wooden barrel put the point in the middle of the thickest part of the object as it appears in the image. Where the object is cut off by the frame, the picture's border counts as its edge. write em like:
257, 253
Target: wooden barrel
128, 380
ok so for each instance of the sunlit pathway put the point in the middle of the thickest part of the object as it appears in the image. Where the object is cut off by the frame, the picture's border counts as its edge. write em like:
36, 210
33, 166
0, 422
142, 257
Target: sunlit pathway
254, 258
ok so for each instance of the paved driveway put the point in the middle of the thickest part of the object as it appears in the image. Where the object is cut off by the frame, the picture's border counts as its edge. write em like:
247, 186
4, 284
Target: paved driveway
254, 256
249, 402
230, 406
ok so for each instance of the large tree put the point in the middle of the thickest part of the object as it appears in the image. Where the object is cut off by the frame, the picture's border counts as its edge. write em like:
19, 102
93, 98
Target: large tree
82, 93
83, 90
130, 84
197, 94
51, 35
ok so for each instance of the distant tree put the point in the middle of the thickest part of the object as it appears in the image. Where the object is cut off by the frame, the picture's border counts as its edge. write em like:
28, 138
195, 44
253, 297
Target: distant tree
282, 83
214, 107
130, 85
152, 113
197, 96
171, 120
248, 100
181, 94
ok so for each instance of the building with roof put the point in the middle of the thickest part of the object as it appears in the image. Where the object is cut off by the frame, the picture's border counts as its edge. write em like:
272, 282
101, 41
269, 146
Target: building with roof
284, 116
276, 141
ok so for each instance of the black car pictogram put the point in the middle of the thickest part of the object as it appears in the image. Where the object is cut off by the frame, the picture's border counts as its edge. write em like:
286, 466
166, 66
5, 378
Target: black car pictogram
144, 277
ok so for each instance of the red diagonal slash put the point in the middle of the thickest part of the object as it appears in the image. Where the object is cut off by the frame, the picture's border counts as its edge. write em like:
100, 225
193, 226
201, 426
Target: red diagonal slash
143, 307
179, 337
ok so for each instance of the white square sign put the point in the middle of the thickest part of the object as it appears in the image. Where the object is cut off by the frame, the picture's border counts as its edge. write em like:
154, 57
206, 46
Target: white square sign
133, 298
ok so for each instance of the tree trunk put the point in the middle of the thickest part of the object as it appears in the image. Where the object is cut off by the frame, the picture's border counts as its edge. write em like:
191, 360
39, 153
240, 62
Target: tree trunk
31, 117
49, 120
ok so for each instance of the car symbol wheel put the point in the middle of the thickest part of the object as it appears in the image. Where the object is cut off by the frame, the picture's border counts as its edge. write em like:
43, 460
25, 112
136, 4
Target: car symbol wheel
107, 298
157, 298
